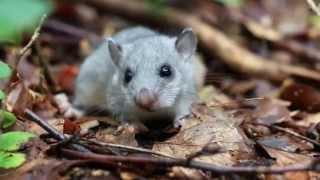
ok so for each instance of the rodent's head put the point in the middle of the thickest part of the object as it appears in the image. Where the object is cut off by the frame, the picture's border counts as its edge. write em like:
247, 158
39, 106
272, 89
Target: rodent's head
154, 70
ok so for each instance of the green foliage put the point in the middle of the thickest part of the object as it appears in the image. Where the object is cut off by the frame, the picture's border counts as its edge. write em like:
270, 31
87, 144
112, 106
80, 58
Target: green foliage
18, 16
232, 3
5, 70
12, 141
8, 119
11, 160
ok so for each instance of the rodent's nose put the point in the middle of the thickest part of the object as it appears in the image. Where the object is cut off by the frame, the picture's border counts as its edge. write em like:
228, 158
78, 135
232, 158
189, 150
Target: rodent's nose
146, 99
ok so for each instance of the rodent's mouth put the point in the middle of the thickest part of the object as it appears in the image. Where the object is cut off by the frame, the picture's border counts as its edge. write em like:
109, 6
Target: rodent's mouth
147, 108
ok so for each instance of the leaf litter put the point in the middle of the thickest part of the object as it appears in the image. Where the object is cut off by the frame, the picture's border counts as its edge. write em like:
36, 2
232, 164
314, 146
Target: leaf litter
227, 129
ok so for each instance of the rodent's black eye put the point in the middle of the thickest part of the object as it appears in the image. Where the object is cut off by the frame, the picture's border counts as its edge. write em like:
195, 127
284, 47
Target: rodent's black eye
165, 71
128, 75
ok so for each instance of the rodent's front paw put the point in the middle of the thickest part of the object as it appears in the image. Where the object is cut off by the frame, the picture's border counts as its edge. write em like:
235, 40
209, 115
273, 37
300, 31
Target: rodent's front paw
66, 108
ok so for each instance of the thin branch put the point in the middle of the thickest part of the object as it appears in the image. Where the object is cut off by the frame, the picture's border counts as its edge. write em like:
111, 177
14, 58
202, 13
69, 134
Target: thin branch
53, 132
59, 26
34, 36
297, 135
60, 137
164, 162
128, 148
42, 123
314, 7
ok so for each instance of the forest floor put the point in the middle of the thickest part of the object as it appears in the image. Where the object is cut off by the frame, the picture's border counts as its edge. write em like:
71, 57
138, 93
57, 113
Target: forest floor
259, 116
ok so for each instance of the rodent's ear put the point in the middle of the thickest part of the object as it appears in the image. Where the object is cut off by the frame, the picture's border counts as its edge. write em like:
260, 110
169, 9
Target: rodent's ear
186, 43
115, 50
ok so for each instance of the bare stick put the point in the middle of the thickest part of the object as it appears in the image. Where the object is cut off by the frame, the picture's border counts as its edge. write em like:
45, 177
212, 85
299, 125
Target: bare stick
297, 135
314, 7
70, 30
52, 131
34, 36
60, 137
163, 162
129, 148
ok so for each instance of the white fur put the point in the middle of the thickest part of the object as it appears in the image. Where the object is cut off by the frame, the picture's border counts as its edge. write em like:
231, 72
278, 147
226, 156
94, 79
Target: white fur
100, 82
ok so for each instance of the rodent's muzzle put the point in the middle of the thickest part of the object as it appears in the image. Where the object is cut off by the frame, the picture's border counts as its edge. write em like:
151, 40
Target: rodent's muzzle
146, 99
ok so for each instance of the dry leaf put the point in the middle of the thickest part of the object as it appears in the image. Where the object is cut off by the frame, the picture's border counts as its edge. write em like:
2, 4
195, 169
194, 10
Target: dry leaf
218, 127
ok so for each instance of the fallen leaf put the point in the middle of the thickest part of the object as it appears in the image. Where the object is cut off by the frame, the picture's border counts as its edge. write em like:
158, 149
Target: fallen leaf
283, 158
284, 143
270, 111
123, 134
70, 127
18, 99
29, 73
301, 96
217, 126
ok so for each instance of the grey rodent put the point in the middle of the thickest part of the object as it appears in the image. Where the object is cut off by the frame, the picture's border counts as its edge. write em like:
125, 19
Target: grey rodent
140, 75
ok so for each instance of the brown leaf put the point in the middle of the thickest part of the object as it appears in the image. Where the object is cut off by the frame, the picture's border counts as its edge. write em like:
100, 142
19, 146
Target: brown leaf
215, 126
124, 134
69, 127
270, 111
301, 96
29, 73
18, 99
218, 127
284, 143
285, 158
36, 169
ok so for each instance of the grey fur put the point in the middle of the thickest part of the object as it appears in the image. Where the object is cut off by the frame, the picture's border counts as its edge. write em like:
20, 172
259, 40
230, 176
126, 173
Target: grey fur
100, 82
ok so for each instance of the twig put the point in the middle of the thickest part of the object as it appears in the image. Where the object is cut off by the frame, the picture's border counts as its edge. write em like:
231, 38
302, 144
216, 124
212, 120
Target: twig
168, 162
276, 38
213, 40
128, 148
60, 137
163, 162
52, 131
314, 7
316, 143
34, 36
59, 26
